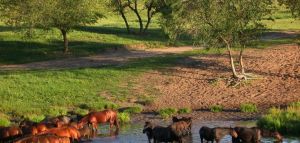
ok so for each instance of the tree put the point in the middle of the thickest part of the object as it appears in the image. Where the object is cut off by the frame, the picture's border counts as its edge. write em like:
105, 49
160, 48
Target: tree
293, 5
152, 6
229, 23
120, 6
61, 14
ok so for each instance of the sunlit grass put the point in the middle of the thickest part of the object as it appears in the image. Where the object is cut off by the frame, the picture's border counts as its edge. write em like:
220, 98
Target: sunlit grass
284, 120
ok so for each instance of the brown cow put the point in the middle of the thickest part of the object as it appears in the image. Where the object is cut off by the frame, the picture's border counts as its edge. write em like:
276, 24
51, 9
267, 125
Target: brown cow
69, 132
44, 139
9, 133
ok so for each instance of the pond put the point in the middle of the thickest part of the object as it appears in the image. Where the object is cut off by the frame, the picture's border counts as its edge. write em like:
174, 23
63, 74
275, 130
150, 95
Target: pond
132, 133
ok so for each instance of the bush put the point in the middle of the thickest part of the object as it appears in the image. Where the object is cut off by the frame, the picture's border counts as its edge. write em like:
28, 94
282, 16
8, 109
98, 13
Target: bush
184, 110
99, 107
248, 108
35, 118
81, 112
295, 104
4, 122
56, 111
124, 117
134, 110
216, 108
284, 120
167, 112
148, 102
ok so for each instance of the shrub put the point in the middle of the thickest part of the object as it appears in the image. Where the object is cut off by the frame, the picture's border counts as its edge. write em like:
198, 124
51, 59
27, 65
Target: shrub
295, 104
248, 108
184, 110
4, 122
284, 120
98, 107
56, 111
216, 108
148, 102
134, 110
81, 112
167, 112
34, 117
124, 117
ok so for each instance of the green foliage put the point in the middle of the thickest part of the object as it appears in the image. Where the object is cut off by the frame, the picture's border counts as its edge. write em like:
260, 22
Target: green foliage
167, 112
4, 120
133, 110
220, 22
283, 120
62, 14
34, 117
81, 112
56, 111
293, 5
295, 104
216, 108
248, 107
124, 117
184, 111
137, 7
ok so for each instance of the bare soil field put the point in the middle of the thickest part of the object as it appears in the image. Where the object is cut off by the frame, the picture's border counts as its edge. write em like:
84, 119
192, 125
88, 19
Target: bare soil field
199, 82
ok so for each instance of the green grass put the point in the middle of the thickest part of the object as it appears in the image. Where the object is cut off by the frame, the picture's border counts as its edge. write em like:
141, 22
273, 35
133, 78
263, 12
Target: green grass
216, 108
40, 93
134, 110
184, 110
55, 92
284, 120
248, 108
124, 117
108, 33
167, 112
4, 120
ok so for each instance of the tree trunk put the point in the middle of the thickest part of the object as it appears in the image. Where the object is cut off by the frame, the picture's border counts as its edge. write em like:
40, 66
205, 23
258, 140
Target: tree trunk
125, 20
241, 60
66, 42
234, 74
149, 17
135, 10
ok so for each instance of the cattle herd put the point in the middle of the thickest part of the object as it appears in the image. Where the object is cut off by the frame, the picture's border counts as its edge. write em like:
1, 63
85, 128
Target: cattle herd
181, 127
67, 129
61, 129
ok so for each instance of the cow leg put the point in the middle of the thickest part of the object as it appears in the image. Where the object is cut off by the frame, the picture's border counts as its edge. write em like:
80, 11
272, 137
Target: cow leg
95, 129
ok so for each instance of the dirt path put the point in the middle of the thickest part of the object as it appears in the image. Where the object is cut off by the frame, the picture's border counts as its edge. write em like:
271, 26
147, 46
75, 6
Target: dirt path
122, 56
116, 57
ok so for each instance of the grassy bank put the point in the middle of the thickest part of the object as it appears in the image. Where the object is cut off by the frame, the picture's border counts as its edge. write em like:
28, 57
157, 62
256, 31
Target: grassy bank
40, 93
284, 120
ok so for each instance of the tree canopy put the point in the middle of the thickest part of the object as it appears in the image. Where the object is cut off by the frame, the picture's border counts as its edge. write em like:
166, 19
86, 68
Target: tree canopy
222, 22
61, 14
293, 5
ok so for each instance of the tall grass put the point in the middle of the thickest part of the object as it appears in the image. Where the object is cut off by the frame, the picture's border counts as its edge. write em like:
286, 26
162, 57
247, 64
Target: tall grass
167, 112
248, 108
284, 120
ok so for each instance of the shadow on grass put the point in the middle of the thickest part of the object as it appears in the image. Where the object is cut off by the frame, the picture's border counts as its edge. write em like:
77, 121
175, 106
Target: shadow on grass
18, 52
151, 35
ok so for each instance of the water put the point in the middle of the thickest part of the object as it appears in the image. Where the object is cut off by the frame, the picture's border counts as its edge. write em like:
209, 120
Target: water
133, 133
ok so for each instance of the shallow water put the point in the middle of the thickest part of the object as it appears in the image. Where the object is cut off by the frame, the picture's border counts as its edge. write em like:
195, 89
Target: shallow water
133, 133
